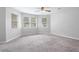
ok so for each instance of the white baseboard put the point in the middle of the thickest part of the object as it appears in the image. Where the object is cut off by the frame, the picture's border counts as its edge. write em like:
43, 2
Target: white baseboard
13, 38
66, 36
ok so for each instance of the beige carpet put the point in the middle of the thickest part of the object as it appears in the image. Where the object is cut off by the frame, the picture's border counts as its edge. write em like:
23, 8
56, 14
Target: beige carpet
41, 43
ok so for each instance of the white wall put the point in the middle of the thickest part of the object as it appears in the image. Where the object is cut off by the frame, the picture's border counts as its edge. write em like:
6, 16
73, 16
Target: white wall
65, 22
2, 25
12, 33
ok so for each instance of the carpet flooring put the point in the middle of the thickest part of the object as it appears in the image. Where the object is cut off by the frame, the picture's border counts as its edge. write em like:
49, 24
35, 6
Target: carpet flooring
41, 43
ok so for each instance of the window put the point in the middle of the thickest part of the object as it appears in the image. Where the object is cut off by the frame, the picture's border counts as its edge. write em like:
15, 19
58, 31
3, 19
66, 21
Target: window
29, 22
26, 22
14, 20
33, 22
44, 22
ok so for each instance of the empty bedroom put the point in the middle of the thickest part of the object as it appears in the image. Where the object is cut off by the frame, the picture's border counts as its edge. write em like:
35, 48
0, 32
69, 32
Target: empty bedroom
39, 29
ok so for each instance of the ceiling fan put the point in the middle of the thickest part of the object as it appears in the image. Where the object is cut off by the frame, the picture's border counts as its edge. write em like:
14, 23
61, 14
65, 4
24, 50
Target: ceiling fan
44, 9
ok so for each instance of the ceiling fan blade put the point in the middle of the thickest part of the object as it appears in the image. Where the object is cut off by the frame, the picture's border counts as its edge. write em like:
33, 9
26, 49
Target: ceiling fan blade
48, 10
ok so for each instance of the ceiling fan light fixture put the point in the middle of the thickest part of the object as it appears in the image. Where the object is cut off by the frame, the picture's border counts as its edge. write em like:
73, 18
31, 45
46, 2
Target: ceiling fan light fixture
46, 9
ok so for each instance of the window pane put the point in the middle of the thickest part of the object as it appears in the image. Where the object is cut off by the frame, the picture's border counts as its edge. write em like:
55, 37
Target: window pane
45, 25
33, 25
14, 20
26, 22
44, 22
33, 22
26, 25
